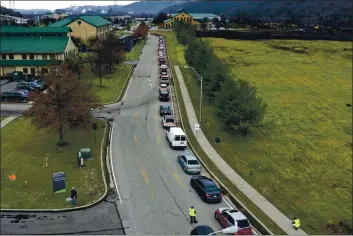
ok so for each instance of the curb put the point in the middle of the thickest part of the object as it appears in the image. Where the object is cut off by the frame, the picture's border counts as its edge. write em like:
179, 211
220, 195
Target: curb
74, 208
124, 87
232, 197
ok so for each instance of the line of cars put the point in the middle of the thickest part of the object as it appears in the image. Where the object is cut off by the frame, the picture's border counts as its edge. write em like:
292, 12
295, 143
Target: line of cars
205, 187
21, 92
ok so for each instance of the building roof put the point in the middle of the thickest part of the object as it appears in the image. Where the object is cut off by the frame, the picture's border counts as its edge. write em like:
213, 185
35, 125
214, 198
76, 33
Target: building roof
92, 20
27, 62
24, 30
197, 15
33, 44
166, 21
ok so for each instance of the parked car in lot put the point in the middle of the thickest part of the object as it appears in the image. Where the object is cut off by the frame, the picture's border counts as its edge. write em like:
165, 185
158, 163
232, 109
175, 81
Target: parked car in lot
164, 96
164, 81
165, 110
25, 87
202, 230
168, 121
14, 96
206, 188
231, 217
165, 73
176, 138
189, 163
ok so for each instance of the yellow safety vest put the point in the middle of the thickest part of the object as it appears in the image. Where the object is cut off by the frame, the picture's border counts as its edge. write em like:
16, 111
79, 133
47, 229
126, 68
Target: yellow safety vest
297, 223
192, 212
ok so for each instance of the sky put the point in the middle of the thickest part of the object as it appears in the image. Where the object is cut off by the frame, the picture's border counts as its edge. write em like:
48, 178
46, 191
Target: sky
52, 5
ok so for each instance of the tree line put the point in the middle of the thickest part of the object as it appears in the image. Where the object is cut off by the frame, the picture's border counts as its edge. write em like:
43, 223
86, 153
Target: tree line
238, 106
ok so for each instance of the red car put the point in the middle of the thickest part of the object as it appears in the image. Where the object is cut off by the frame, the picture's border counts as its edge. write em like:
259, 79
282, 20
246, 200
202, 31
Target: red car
231, 217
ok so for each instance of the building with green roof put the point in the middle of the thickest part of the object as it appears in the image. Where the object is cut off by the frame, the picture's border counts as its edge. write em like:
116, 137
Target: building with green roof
85, 27
33, 49
190, 18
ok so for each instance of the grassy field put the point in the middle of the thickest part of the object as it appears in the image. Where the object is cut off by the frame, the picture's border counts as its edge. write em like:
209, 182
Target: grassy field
112, 86
135, 53
301, 157
2, 117
24, 151
176, 57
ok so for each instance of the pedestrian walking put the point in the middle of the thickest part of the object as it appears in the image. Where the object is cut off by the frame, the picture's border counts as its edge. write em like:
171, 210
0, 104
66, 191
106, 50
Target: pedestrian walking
296, 223
73, 196
192, 214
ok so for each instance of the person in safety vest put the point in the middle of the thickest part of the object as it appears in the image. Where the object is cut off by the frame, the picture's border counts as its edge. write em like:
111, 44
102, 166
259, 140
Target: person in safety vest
296, 223
192, 214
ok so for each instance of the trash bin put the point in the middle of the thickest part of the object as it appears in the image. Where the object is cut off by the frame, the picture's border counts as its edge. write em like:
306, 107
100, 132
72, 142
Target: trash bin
85, 153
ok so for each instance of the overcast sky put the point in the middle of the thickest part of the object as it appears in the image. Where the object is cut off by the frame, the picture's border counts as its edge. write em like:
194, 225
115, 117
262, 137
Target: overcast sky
52, 5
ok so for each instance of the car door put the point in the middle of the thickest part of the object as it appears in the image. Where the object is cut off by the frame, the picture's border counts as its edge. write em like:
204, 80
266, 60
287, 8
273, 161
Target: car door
17, 95
230, 220
224, 219
183, 161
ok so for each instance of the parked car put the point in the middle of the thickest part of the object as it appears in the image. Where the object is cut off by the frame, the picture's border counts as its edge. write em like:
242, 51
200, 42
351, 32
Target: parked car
25, 87
231, 217
164, 81
14, 96
164, 96
168, 121
165, 110
163, 67
206, 188
202, 230
189, 163
165, 73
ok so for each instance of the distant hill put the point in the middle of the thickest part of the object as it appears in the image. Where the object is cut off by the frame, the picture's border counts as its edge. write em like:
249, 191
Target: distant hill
148, 7
10, 12
33, 11
309, 10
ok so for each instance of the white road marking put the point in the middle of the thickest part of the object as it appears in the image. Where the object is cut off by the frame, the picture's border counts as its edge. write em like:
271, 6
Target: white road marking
111, 163
127, 89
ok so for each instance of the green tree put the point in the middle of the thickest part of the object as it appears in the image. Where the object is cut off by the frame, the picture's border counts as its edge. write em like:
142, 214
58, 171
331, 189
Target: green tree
238, 106
98, 60
160, 18
74, 63
45, 21
204, 23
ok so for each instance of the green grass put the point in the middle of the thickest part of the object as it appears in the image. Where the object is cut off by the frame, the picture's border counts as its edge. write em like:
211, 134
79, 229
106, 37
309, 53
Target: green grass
135, 53
120, 33
176, 57
24, 152
2, 117
302, 155
112, 86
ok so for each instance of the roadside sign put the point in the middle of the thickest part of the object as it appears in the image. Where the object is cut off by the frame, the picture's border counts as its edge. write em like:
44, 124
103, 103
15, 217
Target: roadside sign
197, 127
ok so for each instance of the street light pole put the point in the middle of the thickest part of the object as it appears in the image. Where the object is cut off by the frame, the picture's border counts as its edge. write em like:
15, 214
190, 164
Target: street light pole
201, 90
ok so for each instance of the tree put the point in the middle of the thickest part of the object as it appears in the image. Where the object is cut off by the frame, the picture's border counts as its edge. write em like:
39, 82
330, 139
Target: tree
74, 63
113, 50
65, 103
98, 60
216, 23
30, 22
128, 27
45, 21
204, 23
141, 31
160, 18
238, 106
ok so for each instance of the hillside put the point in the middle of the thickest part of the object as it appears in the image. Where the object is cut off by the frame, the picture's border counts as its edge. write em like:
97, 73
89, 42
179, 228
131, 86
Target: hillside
10, 12
148, 7
307, 10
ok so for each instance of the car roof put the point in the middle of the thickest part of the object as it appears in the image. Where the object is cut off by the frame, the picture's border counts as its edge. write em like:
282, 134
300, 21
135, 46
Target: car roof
204, 229
236, 215
164, 92
165, 106
190, 157
169, 117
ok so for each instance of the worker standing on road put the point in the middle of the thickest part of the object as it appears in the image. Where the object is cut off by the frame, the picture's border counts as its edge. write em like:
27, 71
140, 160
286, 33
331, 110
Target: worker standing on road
296, 223
192, 214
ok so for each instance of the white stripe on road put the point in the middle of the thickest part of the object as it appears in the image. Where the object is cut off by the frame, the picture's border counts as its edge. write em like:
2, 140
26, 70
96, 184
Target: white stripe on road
111, 163
127, 89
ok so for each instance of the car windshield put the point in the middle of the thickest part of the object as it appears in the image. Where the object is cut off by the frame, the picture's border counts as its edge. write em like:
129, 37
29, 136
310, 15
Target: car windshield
169, 120
243, 223
212, 189
193, 162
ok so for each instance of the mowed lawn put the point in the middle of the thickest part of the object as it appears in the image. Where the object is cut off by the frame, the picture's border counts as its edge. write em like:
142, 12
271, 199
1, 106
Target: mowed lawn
24, 152
3, 118
112, 84
301, 157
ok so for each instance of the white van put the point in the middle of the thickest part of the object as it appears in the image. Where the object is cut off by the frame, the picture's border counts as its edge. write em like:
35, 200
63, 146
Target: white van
176, 137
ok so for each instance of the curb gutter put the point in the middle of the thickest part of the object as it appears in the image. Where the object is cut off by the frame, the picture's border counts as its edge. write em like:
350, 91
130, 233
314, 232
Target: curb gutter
124, 87
80, 207
206, 167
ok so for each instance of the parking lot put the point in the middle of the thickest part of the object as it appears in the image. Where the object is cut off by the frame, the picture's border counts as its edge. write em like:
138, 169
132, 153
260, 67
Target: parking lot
8, 86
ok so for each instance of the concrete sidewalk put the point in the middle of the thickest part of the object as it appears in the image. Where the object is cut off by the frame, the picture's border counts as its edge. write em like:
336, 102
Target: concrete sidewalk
7, 120
271, 211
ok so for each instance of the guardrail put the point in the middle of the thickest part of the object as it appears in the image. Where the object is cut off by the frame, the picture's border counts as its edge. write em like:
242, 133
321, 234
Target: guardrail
257, 225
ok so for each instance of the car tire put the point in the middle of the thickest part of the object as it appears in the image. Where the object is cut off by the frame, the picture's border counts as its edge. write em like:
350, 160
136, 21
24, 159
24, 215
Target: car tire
216, 216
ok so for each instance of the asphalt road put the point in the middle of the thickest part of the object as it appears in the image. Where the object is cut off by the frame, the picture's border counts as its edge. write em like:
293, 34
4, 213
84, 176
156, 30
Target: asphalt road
155, 192
100, 219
